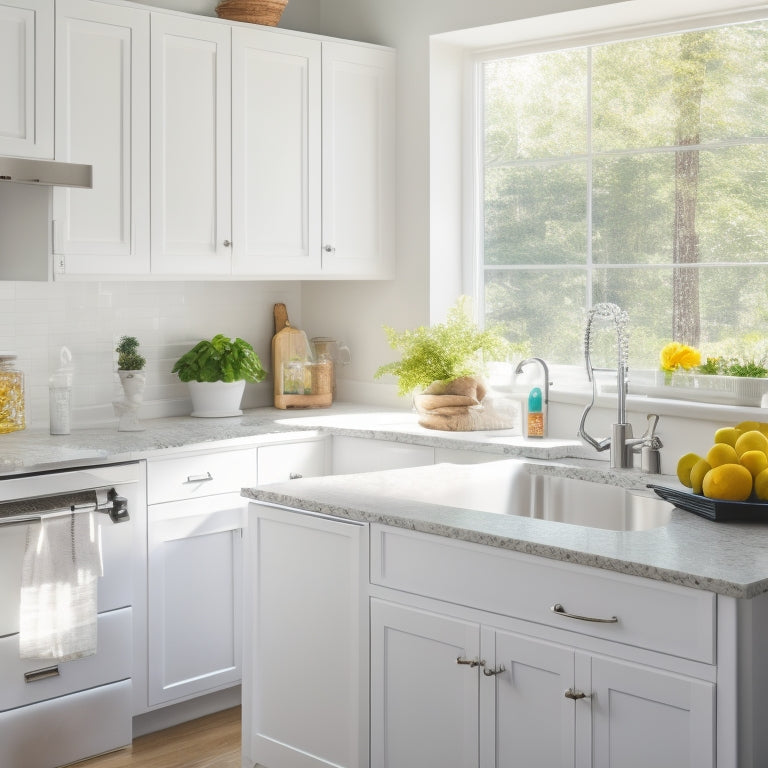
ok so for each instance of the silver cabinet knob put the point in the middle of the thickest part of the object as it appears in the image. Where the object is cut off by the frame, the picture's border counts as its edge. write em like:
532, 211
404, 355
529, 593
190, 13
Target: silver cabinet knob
227, 243
494, 671
329, 249
573, 694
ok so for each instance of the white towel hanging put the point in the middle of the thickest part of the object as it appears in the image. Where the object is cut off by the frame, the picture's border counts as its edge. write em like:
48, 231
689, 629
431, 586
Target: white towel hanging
60, 572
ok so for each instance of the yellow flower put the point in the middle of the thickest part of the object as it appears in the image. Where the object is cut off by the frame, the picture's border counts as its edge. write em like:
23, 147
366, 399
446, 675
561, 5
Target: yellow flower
676, 355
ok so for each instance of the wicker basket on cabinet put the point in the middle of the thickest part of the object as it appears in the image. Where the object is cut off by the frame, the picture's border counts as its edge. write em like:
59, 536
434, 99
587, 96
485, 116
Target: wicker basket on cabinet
266, 12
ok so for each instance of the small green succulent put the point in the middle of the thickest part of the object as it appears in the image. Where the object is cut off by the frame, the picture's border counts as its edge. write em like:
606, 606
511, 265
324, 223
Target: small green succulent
128, 357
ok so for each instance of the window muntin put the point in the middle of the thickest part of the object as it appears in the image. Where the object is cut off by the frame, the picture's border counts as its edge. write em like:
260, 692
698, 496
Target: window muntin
586, 162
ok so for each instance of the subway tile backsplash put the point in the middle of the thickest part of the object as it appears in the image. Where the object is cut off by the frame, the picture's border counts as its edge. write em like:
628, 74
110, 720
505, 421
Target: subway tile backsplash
37, 319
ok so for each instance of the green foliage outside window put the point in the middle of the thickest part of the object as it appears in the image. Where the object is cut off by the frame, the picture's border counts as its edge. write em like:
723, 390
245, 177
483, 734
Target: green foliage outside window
652, 195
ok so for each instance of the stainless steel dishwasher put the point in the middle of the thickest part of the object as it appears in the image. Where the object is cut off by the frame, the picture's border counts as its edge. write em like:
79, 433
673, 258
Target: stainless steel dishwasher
52, 714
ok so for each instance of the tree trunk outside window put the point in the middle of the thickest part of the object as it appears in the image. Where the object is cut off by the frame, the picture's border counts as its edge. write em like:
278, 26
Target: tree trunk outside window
695, 51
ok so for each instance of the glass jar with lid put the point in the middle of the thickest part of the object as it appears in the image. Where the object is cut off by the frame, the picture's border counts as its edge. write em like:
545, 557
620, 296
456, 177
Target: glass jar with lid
12, 415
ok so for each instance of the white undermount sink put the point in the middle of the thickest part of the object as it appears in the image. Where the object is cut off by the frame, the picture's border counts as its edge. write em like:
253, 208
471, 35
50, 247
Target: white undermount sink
519, 487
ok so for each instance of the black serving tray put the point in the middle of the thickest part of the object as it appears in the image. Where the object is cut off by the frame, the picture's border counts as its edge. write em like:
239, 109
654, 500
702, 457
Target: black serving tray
714, 509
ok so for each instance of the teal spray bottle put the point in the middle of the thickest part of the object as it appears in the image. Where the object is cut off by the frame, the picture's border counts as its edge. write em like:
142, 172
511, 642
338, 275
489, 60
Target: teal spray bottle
535, 414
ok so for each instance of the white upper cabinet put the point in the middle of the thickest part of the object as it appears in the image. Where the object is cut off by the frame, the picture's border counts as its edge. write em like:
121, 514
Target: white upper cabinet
358, 161
219, 150
190, 146
26, 84
276, 107
102, 119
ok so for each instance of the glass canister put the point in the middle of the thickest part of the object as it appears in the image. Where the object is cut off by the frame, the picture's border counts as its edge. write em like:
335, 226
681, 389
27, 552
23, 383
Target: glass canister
12, 415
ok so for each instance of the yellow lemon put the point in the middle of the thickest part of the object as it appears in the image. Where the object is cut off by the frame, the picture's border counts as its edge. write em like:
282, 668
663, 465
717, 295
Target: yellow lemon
754, 461
684, 466
700, 469
727, 435
721, 453
748, 426
763, 427
761, 485
729, 482
753, 440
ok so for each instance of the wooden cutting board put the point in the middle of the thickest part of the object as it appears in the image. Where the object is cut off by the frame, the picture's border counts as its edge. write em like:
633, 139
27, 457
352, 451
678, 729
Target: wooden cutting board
281, 317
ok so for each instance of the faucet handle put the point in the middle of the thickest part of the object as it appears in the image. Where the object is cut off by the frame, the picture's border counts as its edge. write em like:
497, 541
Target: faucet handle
650, 431
650, 456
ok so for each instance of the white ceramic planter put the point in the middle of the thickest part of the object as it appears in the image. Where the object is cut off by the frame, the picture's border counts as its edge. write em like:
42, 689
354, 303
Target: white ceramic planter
216, 399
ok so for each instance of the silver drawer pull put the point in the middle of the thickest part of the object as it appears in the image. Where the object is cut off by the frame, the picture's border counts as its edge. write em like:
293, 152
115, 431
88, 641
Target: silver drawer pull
41, 674
295, 476
207, 477
494, 671
471, 663
575, 695
557, 608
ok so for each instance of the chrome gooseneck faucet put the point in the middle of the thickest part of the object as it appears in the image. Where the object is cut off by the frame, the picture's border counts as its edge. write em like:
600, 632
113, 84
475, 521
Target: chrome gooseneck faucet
622, 444
544, 369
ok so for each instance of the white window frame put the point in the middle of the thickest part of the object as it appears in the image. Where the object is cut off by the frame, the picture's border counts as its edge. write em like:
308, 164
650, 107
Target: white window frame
572, 29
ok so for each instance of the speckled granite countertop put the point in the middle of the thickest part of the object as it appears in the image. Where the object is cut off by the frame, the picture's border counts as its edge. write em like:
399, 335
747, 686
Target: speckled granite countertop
726, 558
34, 450
731, 559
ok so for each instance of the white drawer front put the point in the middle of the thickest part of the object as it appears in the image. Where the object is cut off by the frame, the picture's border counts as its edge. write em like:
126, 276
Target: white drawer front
61, 731
290, 460
650, 614
111, 663
204, 474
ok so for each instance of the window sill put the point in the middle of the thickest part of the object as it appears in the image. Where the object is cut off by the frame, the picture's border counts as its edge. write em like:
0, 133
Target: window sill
684, 409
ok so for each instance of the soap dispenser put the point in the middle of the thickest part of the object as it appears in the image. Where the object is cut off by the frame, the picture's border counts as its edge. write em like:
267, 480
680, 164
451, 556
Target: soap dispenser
536, 425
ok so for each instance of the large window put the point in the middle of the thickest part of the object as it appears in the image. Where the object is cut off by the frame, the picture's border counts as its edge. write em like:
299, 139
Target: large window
634, 172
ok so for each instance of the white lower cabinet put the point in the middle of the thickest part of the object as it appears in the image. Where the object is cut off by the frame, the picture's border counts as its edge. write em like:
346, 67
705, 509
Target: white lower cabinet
424, 705
351, 455
192, 642
306, 667
194, 574
483, 657
451, 692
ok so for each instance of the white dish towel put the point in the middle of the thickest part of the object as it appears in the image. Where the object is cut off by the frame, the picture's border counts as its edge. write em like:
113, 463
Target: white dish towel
60, 572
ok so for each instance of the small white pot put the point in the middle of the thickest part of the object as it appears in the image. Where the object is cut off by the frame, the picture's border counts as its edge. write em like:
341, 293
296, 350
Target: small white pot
216, 399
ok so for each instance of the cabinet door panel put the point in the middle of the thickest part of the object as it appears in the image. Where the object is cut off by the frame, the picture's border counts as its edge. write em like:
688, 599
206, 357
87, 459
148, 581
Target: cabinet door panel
424, 706
534, 723
195, 583
191, 146
358, 161
305, 690
277, 463
26, 85
351, 455
276, 140
102, 57
643, 717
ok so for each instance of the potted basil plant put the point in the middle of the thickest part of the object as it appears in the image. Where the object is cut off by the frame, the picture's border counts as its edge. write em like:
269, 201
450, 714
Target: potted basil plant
216, 371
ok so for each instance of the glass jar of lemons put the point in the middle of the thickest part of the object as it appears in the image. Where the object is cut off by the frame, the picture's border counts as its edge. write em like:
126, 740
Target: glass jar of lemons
12, 416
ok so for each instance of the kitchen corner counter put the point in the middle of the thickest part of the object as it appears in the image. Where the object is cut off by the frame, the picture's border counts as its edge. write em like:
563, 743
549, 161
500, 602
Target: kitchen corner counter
35, 450
726, 558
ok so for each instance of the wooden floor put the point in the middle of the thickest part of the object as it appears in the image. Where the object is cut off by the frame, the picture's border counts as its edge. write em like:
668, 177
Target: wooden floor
210, 742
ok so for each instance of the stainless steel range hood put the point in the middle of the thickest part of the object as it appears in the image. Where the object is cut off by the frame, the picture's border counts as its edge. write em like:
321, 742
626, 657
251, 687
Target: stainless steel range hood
23, 170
